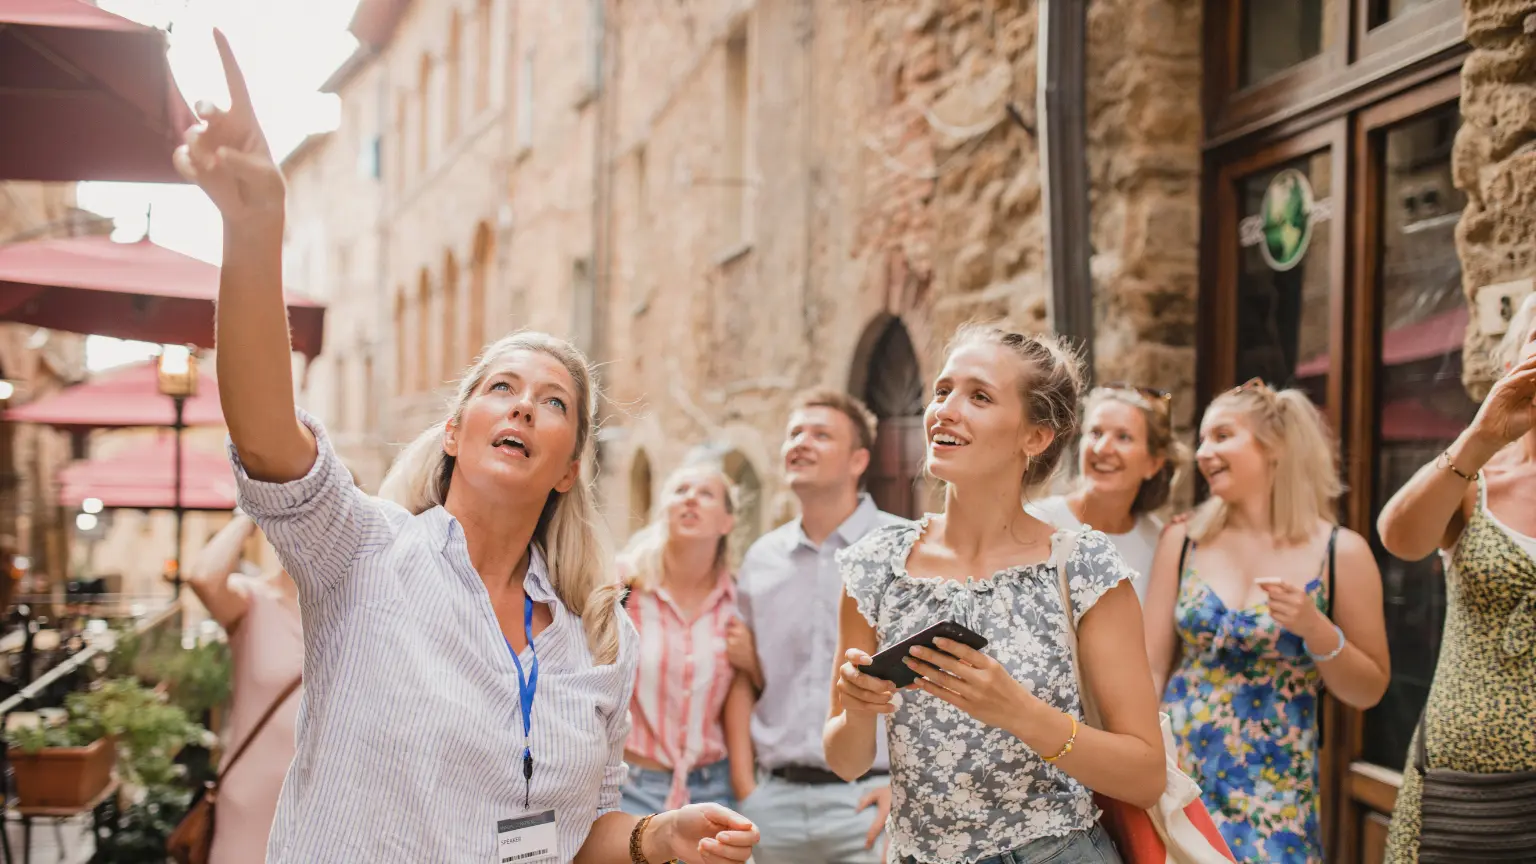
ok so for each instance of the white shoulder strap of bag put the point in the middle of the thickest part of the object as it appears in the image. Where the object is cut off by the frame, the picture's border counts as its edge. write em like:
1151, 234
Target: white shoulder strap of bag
1063, 545
1183, 842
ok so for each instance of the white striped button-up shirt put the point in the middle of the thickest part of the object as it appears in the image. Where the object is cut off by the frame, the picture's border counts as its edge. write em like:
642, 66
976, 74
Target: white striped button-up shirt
410, 735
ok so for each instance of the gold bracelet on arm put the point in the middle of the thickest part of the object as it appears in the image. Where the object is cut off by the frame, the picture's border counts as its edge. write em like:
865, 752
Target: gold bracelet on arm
1067, 747
1445, 462
636, 838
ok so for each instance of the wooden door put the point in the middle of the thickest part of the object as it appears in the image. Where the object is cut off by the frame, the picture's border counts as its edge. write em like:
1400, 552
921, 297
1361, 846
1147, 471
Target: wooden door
1410, 316
1362, 307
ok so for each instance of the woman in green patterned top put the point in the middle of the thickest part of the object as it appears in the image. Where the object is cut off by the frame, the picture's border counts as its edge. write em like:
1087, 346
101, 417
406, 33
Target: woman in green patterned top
1477, 503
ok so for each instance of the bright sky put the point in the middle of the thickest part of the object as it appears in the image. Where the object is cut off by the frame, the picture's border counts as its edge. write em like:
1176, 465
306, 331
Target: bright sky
287, 49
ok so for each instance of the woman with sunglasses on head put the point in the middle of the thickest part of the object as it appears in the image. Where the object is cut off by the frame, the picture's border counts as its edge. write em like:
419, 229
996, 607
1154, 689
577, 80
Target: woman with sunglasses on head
1477, 503
1256, 604
1127, 462
990, 762
419, 735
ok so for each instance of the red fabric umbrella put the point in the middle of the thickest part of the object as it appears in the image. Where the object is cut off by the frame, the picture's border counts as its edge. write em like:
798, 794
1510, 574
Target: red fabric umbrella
124, 397
128, 290
85, 95
142, 477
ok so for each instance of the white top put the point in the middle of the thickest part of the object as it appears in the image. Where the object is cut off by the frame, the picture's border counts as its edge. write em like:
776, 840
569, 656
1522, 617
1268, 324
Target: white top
409, 734
1135, 546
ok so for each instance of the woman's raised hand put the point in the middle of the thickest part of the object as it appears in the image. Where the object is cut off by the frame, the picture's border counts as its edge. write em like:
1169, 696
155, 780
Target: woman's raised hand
1509, 411
227, 154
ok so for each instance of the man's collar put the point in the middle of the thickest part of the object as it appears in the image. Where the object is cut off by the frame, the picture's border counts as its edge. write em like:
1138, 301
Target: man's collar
851, 530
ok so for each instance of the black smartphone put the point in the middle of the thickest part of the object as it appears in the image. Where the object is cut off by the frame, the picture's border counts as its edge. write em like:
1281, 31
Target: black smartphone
887, 665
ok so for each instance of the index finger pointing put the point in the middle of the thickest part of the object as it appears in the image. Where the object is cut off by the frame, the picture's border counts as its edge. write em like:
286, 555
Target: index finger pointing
239, 93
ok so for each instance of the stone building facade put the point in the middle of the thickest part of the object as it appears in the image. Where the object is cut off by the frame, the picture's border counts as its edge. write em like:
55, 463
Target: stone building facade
730, 218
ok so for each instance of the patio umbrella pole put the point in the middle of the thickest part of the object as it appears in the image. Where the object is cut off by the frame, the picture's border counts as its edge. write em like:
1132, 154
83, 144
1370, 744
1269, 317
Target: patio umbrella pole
181, 405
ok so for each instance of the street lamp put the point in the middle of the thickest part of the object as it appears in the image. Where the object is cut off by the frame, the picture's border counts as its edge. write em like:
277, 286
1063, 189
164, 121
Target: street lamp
178, 380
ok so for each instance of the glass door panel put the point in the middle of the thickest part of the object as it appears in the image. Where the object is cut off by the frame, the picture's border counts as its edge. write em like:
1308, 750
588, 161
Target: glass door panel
1285, 275
1421, 405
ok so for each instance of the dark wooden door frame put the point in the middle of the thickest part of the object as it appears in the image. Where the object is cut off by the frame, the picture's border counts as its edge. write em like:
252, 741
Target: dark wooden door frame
1363, 786
1350, 787
1363, 58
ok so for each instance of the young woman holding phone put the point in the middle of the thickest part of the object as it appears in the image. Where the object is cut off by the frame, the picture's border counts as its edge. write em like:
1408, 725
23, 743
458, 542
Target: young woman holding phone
990, 761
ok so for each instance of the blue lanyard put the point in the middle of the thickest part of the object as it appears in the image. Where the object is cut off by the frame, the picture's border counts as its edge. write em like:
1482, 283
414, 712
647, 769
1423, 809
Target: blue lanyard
526, 689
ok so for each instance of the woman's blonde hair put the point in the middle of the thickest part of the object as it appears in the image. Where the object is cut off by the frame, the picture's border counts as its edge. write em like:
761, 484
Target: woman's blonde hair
1508, 350
1049, 387
643, 559
575, 549
1291, 431
1155, 491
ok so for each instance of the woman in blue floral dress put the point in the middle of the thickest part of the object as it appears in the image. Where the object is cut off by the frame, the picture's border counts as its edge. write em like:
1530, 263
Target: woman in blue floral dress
1256, 606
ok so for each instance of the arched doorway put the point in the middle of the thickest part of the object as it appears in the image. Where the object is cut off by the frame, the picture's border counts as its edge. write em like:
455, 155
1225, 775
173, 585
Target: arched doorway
451, 349
892, 387
479, 274
639, 492
749, 512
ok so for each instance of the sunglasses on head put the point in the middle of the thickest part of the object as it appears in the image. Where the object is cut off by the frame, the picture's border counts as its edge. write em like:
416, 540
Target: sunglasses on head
1151, 392
1254, 383
1159, 398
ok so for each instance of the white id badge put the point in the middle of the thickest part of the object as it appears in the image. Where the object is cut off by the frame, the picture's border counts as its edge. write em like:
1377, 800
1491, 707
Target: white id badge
527, 840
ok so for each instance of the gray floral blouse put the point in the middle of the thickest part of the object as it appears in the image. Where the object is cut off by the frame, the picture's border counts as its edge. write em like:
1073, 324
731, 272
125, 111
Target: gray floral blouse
962, 790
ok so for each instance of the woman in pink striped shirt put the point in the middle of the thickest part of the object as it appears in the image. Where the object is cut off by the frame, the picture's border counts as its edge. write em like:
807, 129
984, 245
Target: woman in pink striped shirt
683, 595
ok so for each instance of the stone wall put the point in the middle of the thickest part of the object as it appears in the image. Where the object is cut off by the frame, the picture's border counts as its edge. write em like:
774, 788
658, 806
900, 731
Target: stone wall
881, 179
887, 180
1144, 70
368, 238
1495, 162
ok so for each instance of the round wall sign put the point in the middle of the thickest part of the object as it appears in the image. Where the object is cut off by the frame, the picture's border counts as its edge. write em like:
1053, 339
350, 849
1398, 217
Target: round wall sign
1287, 214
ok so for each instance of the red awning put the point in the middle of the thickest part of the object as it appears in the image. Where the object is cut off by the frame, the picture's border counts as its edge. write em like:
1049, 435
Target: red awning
85, 95
142, 477
128, 290
1431, 337
123, 397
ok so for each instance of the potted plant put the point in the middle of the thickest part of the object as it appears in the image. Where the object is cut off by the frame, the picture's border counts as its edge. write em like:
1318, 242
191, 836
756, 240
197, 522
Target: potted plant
152, 734
117, 722
64, 765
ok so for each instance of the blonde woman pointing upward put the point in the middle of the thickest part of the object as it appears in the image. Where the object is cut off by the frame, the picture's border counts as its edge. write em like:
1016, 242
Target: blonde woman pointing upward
467, 669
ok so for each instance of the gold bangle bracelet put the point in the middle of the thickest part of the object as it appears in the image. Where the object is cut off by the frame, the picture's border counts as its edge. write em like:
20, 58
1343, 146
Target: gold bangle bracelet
636, 838
1445, 461
1067, 747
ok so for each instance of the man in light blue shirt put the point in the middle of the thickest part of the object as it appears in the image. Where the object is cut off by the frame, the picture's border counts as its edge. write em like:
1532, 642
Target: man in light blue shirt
789, 590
